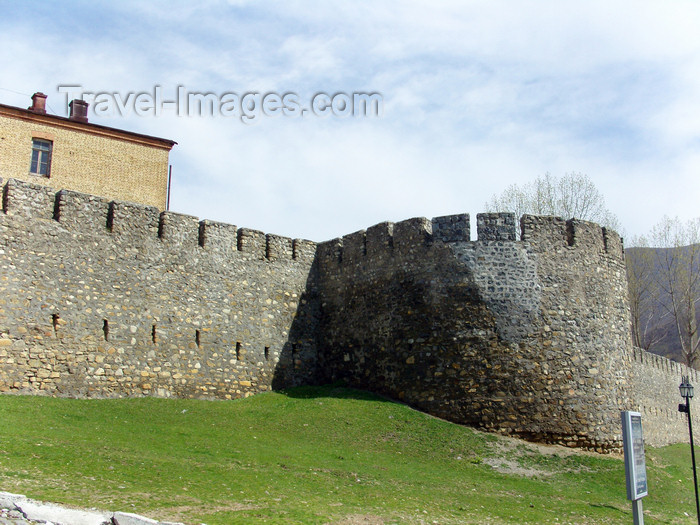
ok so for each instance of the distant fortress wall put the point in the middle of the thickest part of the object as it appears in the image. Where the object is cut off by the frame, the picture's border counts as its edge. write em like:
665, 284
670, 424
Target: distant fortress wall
522, 332
655, 382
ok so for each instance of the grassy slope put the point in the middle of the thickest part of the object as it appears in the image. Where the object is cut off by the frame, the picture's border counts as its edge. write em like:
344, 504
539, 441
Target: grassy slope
312, 455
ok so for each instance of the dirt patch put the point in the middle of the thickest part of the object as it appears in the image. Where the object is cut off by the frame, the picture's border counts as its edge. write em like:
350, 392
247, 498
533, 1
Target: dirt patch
184, 513
359, 519
507, 466
511, 456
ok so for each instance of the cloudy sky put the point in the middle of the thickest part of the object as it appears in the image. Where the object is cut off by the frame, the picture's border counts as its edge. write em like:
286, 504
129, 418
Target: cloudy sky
476, 96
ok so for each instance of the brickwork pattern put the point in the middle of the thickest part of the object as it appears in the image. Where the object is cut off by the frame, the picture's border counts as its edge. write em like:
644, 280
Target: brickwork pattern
86, 162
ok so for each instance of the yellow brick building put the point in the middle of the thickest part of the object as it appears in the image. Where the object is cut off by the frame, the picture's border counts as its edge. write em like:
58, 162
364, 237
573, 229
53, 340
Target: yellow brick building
70, 153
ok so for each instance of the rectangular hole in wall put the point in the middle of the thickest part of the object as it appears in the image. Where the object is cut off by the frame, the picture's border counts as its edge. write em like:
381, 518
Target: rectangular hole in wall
570, 234
295, 352
57, 207
154, 335
238, 351
202, 234
267, 353
110, 217
196, 338
605, 239
105, 329
54, 323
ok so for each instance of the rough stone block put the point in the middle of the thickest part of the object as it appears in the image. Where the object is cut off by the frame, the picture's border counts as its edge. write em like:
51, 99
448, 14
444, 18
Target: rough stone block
38, 511
304, 250
330, 252
252, 242
584, 234
7, 500
412, 234
28, 200
133, 221
451, 228
81, 211
614, 244
218, 237
279, 247
495, 226
380, 239
177, 229
354, 247
544, 232
127, 518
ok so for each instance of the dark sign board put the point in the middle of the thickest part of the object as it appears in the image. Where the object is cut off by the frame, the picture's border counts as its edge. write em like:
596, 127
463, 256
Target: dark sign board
635, 463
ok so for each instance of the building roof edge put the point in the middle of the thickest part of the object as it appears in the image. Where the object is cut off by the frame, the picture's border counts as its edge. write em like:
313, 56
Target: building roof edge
85, 127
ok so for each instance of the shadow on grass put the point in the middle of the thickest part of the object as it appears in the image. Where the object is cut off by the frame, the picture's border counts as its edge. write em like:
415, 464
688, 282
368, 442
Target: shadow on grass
334, 390
608, 506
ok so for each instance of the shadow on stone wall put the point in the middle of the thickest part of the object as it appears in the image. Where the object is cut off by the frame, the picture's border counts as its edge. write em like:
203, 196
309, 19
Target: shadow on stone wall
298, 360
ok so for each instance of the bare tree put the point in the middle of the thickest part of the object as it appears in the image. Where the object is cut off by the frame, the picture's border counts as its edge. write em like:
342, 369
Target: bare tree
643, 293
678, 278
572, 196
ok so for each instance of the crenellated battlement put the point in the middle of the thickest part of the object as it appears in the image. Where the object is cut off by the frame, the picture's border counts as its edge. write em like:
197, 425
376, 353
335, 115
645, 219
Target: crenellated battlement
451, 228
654, 381
419, 311
553, 233
109, 298
672, 368
405, 238
495, 227
114, 298
414, 236
84, 213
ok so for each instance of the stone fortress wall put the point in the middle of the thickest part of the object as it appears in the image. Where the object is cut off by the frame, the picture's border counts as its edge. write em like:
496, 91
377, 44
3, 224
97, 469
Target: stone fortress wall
654, 380
525, 334
117, 299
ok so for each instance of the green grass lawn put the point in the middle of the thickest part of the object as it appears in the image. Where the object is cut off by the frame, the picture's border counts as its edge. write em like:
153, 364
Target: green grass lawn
313, 455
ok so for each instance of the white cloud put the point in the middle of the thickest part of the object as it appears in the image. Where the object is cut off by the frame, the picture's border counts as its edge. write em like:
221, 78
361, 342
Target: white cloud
477, 95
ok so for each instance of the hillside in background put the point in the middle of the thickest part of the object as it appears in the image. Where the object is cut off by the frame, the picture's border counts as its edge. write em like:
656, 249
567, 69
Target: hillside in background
662, 331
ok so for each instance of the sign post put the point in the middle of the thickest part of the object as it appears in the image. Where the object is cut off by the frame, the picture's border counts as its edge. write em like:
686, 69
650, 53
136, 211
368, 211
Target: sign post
635, 462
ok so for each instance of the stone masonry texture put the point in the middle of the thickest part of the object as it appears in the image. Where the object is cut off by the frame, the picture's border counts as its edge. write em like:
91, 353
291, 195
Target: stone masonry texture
520, 332
105, 299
